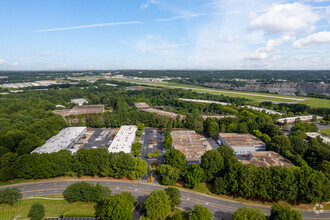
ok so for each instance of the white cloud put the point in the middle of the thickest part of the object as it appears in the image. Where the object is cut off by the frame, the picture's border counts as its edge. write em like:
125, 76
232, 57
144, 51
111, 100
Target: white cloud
91, 26
61, 66
313, 39
270, 48
60, 54
178, 17
148, 3
2, 61
285, 18
45, 53
12, 64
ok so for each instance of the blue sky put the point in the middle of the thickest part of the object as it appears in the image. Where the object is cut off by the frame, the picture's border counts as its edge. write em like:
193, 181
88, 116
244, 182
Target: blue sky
164, 34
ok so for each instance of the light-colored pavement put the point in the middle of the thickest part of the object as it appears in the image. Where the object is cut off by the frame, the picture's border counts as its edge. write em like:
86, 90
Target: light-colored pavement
221, 208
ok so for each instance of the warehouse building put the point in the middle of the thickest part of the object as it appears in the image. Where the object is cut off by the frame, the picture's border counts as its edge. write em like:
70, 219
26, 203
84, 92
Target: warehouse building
124, 139
65, 139
268, 111
80, 110
204, 117
305, 118
205, 101
79, 101
242, 143
141, 105
164, 113
268, 159
191, 144
311, 135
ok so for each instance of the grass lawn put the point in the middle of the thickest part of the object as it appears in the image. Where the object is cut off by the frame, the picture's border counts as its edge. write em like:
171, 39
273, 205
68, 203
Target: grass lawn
316, 103
325, 131
53, 208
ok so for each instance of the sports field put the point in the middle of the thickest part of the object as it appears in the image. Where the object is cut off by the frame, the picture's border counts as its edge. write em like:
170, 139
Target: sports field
255, 96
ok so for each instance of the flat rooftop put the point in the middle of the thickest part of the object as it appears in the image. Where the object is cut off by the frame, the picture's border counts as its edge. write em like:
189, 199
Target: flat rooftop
79, 101
326, 139
302, 118
191, 144
139, 87
204, 101
268, 111
204, 117
241, 140
62, 140
124, 139
80, 110
163, 113
267, 158
139, 105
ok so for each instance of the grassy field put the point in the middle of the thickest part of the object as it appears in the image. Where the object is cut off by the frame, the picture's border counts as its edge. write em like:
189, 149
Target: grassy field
316, 103
53, 208
255, 96
325, 131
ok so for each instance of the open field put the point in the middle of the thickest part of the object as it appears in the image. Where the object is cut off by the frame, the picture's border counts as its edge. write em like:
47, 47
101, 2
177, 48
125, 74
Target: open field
325, 131
317, 103
255, 96
53, 208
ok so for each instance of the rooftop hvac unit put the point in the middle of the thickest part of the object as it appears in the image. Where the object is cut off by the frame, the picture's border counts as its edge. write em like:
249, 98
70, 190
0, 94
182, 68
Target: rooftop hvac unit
263, 159
269, 154
280, 163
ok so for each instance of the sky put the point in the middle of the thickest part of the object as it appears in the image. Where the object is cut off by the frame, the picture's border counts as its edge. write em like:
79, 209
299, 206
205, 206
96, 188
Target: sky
164, 34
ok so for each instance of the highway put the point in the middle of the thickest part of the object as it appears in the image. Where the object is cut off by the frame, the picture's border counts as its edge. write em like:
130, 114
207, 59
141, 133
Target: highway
221, 208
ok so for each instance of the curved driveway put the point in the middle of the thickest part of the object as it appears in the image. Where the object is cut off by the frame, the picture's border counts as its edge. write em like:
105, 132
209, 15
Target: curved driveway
221, 208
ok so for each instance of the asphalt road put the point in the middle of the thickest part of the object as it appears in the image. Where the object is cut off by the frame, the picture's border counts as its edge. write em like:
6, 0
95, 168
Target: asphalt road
221, 208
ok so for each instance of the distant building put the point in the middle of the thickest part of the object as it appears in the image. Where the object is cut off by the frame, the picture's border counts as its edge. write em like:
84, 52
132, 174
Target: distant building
80, 101
3, 77
164, 113
139, 88
311, 135
204, 117
191, 144
29, 84
242, 143
268, 111
205, 101
81, 110
268, 159
124, 139
292, 120
64, 140
141, 105
59, 106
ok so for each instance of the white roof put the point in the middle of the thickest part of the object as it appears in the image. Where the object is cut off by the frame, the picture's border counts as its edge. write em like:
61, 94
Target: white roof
204, 101
79, 101
302, 118
268, 111
60, 141
124, 139
326, 139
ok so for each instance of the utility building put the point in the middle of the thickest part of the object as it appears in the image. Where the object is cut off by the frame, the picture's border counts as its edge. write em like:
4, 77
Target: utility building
124, 139
242, 143
268, 159
191, 144
64, 140
141, 105
79, 101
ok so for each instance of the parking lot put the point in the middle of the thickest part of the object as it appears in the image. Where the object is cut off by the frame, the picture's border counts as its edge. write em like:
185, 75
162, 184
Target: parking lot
100, 138
152, 139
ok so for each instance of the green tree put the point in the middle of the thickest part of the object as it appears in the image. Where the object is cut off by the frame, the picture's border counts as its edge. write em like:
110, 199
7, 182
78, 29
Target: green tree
212, 162
284, 212
280, 144
175, 158
169, 174
141, 126
10, 196
86, 192
174, 196
118, 206
140, 168
157, 205
177, 216
30, 143
213, 128
37, 212
249, 213
193, 175
200, 213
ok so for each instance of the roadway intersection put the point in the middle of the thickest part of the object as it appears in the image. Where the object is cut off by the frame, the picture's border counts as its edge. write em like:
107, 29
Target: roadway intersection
221, 208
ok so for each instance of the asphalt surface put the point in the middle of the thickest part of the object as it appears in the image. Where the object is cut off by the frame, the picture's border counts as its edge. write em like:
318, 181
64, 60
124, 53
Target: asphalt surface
221, 208
100, 139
